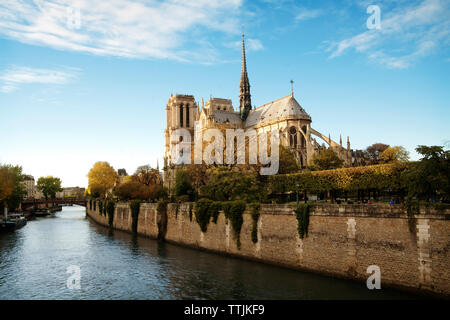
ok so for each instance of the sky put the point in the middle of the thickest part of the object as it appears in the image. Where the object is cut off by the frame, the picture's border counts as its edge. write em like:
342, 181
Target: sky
87, 81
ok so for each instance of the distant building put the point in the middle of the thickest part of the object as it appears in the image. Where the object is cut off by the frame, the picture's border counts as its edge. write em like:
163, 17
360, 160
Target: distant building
122, 175
30, 186
71, 192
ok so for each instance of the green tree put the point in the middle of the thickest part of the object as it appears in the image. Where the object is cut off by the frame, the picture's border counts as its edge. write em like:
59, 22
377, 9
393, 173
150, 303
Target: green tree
288, 164
394, 154
183, 184
431, 175
225, 184
326, 159
49, 186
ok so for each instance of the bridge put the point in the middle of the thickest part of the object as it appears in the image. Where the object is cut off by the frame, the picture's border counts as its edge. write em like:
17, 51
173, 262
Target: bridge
42, 203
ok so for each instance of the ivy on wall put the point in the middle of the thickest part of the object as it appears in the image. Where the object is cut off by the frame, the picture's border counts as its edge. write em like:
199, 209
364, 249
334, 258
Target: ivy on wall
100, 207
214, 210
236, 210
90, 204
202, 214
302, 215
161, 208
255, 218
177, 208
205, 210
226, 207
110, 205
412, 208
135, 207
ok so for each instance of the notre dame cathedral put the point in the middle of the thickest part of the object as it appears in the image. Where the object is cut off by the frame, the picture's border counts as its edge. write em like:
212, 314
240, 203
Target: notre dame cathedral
284, 114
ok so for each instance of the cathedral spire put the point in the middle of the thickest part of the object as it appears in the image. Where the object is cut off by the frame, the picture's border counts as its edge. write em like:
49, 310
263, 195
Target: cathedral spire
245, 103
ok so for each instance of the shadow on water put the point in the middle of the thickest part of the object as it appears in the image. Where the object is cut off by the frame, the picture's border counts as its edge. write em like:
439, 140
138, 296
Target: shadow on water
162, 249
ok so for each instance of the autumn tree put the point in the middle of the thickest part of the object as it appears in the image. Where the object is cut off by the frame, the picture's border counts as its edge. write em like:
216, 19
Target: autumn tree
12, 189
49, 186
102, 178
198, 175
394, 154
133, 190
373, 152
147, 175
326, 159
6, 183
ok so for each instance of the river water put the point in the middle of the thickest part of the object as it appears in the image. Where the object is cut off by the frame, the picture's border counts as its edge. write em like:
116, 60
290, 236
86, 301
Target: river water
117, 265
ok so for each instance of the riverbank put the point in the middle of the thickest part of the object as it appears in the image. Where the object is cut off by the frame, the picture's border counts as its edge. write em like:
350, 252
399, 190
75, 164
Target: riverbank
342, 241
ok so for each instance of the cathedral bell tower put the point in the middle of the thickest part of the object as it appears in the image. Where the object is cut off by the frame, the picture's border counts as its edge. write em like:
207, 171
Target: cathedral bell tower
245, 102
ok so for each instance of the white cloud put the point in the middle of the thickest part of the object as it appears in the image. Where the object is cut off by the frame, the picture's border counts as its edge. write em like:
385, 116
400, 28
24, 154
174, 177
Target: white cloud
15, 76
306, 14
250, 44
408, 33
135, 29
254, 44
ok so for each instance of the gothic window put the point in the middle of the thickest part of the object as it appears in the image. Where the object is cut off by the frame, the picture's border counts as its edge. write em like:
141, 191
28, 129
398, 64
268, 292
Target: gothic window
302, 138
181, 115
293, 137
187, 115
304, 129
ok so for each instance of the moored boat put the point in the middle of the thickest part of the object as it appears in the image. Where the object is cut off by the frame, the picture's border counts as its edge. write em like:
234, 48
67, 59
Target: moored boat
12, 224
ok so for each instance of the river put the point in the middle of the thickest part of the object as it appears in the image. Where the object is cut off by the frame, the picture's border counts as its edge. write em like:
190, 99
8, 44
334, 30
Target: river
117, 265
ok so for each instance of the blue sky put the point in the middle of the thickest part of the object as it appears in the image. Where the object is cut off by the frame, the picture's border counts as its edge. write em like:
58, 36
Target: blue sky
75, 93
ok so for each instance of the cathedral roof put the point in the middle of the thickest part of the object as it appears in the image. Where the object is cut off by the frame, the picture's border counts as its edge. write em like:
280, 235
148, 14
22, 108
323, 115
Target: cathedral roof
226, 117
286, 107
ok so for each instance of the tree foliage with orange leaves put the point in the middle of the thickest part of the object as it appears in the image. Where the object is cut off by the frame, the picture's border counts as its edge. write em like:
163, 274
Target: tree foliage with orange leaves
147, 175
6, 183
12, 189
394, 154
102, 178
134, 190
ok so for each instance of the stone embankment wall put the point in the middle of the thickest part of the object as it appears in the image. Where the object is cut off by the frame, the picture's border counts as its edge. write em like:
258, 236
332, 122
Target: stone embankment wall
342, 241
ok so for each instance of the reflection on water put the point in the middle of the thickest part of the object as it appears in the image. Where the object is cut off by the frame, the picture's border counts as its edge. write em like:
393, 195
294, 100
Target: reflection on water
117, 265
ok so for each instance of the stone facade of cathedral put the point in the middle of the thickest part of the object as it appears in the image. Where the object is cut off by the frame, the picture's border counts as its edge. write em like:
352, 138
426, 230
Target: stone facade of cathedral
284, 114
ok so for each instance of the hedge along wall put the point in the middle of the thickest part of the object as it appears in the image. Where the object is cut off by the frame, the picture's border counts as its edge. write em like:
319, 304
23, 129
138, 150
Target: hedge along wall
379, 177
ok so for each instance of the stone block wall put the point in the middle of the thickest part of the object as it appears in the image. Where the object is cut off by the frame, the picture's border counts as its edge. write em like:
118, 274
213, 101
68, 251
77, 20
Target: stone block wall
342, 241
